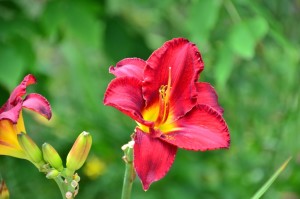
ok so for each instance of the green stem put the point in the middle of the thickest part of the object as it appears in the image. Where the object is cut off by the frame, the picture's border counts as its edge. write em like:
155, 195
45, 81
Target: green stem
59, 181
232, 11
129, 174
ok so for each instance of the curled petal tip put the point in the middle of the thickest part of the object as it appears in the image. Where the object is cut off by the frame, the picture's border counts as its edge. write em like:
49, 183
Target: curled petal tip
146, 187
29, 79
129, 67
39, 104
11, 109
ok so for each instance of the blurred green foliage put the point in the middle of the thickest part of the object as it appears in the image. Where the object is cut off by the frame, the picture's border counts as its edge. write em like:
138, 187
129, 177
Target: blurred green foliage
251, 53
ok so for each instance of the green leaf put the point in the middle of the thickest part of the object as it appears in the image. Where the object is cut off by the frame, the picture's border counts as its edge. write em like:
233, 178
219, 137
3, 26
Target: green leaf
12, 67
202, 17
245, 35
258, 27
79, 22
224, 65
266, 186
53, 17
24, 48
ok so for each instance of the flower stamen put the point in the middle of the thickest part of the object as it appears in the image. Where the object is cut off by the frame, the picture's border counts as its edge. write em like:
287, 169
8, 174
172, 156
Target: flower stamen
164, 98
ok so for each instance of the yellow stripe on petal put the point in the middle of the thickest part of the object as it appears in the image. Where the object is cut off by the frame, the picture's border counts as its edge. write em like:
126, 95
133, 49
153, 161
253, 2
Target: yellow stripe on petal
20, 124
168, 127
151, 113
13, 152
9, 144
8, 134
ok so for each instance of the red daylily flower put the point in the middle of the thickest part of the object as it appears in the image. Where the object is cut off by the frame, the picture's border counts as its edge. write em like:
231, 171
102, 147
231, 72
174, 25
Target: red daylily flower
11, 120
172, 110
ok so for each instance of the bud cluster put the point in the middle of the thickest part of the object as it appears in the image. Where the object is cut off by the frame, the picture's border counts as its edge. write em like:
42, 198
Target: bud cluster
50, 162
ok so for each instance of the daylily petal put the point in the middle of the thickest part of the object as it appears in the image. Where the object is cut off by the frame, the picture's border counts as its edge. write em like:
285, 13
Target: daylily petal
152, 158
20, 90
20, 127
208, 96
202, 129
11, 109
125, 94
13, 113
186, 63
8, 140
3, 108
39, 104
130, 67
8, 133
10, 151
11, 119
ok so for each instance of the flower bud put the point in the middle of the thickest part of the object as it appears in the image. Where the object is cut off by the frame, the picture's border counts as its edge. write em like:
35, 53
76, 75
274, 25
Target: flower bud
79, 151
52, 174
30, 148
52, 157
4, 193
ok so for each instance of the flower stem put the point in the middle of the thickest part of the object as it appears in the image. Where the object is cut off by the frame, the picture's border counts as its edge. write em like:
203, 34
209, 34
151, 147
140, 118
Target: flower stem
61, 186
129, 173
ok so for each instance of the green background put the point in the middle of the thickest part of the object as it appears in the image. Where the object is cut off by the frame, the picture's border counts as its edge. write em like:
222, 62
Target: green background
251, 54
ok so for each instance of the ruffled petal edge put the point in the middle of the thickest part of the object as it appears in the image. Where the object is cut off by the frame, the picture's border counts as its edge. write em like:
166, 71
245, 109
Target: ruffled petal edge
125, 94
203, 128
129, 67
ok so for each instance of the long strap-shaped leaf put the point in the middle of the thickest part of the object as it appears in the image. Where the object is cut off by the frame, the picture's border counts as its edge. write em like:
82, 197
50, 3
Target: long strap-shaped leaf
266, 186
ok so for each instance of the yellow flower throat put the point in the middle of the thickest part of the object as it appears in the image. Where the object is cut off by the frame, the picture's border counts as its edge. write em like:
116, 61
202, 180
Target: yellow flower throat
159, 113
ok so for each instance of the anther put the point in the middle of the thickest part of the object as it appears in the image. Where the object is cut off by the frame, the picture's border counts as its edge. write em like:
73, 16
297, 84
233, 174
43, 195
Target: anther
164, 97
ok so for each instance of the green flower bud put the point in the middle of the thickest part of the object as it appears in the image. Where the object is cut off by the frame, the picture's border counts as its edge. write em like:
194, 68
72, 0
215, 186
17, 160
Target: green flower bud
30, 148
4, 193
79, 151
52, 157
52, 174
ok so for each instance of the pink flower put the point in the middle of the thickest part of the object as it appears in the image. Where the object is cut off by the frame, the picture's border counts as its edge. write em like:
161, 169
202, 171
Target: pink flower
11, 120
171, 108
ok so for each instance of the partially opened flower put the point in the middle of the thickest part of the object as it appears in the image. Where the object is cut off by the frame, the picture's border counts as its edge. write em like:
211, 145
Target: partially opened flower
11, 120
172, 110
